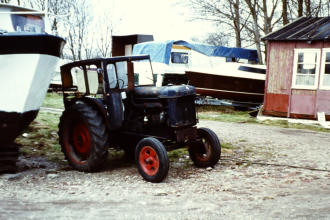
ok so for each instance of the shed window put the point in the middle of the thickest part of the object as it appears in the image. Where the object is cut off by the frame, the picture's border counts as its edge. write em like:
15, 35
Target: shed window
325, 71
306, 68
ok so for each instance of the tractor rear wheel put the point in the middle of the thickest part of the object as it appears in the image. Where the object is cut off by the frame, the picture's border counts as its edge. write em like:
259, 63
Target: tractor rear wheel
206, 152
152, 160
83, 137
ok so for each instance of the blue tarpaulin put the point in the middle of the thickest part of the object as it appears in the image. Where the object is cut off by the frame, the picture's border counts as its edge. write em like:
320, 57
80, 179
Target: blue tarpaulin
235, 52
158, 51
161, 51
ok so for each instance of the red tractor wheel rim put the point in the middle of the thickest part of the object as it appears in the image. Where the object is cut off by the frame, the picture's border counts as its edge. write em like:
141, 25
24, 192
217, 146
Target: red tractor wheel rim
81, 139
205, 153
149, 160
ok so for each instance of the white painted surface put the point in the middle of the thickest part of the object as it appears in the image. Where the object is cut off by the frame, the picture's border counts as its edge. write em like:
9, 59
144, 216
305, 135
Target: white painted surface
128, 49
24, 80
5, 20
293, 120
322, 120
231, 69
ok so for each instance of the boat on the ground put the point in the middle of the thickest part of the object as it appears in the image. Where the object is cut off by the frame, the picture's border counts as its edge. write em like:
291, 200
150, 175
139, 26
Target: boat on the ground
216, 71
237, 82
170, 59
28, 58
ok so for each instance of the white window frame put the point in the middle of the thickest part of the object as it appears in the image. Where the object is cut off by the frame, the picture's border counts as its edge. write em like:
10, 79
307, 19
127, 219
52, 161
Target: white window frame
324, 50
295, 65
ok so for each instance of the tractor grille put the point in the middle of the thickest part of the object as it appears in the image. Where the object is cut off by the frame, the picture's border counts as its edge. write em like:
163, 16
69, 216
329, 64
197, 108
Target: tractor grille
182, 111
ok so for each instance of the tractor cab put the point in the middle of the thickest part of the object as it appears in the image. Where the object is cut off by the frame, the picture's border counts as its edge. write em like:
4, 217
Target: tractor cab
125, 85
107, 81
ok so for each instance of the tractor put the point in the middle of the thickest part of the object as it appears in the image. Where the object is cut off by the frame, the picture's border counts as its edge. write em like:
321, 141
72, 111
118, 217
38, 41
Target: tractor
114, 103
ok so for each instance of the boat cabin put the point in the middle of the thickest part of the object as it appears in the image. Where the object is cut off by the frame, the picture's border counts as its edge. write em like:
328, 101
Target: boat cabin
171, 59
19, 19
298, 70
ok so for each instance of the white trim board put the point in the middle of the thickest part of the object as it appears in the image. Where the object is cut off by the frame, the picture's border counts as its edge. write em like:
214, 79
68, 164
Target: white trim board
294, 121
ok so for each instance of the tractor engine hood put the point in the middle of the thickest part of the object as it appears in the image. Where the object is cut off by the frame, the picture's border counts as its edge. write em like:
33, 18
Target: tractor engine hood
177, 91
164, 91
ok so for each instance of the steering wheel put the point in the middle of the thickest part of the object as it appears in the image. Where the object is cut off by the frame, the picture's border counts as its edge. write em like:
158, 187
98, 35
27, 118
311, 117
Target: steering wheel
118, 80
123, 83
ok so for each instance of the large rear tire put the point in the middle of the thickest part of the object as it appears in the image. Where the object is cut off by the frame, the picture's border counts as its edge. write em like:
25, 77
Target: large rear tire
83, 138
152, 160
207, 151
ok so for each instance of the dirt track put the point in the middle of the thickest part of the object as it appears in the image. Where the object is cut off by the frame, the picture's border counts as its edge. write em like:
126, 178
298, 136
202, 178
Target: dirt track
273, 173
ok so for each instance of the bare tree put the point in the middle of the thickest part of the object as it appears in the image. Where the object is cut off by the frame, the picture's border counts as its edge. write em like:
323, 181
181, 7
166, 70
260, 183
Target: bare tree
314, 8
59, 10
248, 20
300, 7
217, 39
253, 7
77, 26
308, 7
104, 37
225, 12
285, 12
214, 38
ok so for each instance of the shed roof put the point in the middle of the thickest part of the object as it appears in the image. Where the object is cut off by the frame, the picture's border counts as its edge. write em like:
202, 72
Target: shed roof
303, 29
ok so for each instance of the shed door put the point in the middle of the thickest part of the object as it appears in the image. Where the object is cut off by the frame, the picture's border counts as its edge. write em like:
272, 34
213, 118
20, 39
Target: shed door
303, 102
305, 82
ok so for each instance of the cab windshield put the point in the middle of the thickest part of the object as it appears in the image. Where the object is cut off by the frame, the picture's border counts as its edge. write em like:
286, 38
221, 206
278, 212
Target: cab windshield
143, 75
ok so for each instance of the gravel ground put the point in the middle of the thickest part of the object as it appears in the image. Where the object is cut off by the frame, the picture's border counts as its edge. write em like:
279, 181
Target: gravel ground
271, 173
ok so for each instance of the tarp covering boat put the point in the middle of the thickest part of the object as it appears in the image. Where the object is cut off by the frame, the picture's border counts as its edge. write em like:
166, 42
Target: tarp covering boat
160, 51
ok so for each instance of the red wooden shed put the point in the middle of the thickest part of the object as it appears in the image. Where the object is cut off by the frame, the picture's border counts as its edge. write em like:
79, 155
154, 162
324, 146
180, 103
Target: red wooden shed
298, 69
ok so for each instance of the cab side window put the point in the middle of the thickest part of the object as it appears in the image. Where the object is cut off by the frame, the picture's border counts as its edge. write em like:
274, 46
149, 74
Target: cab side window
112, 75
122, 74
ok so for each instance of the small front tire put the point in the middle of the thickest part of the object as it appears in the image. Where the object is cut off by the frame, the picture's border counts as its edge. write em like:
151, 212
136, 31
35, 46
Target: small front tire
152, 160
207, 151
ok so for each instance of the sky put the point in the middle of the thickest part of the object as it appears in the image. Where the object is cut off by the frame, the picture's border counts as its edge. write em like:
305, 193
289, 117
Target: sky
165, 19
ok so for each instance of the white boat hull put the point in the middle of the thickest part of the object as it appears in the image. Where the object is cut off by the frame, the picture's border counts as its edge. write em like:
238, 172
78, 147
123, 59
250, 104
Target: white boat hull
27, 65
24, 81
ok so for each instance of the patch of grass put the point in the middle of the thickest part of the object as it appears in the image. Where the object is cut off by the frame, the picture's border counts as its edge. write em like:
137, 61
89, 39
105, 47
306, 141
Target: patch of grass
228, 114
41, 138
227, 146
212, 108
248, 150
53, 100
285, 124
178, 153
235, 116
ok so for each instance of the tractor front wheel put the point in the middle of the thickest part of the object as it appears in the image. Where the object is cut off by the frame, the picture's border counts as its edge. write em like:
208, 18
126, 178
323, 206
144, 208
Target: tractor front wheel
152, 160
83, 137
207, 150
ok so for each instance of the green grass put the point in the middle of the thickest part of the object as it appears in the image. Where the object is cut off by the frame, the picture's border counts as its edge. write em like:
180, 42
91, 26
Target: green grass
228, 146
241, 117
41, 138
285, 124
227, 114
53, 100
223, 113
